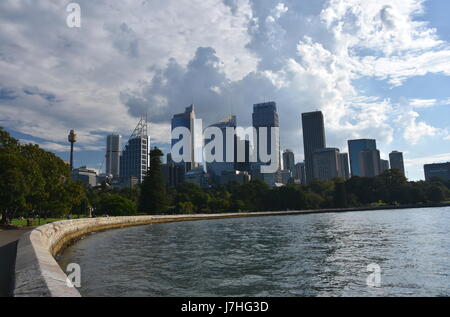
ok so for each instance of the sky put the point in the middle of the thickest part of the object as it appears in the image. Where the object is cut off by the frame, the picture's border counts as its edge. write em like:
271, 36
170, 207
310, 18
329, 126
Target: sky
376, 68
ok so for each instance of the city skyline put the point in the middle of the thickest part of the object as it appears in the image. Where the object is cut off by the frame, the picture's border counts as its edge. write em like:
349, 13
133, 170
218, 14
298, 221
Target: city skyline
344, 168
385, 80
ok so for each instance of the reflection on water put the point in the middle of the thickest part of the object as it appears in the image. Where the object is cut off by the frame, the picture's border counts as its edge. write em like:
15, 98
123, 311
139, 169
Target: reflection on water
306, 255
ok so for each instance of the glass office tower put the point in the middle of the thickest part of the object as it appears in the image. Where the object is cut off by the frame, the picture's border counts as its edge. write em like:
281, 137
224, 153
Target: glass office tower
313, 139
396, 160
113, 149
186, 120
355, 147
265, 115
216, 168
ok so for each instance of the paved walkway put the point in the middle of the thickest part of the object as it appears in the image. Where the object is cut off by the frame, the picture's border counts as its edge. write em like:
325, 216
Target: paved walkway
8, 247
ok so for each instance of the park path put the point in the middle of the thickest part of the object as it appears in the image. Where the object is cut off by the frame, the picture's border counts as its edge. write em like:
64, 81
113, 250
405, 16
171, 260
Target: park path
8, 248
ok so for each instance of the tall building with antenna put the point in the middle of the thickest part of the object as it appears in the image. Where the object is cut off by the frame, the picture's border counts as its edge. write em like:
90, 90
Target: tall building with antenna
134, 161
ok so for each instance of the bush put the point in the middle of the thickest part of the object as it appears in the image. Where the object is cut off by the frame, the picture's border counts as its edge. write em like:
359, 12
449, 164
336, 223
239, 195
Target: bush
115, 205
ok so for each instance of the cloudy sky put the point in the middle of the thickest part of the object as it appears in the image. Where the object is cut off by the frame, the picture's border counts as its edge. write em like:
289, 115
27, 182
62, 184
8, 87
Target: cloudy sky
376, 68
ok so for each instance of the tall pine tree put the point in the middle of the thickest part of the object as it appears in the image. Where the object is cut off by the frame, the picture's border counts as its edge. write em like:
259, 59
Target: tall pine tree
153, 199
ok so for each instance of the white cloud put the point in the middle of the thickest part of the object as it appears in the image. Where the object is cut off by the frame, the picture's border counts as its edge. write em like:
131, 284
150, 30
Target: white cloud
422, 103
280, 9
117, 48
420, 161
382, 39
415, 130
158, 56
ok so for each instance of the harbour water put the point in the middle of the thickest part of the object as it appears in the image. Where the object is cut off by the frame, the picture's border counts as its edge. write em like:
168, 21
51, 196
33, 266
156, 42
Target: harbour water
305, 255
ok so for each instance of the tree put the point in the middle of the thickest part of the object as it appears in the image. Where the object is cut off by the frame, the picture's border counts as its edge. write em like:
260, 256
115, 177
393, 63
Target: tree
34, 182
390, 187
115, 205
56, 194
6, 141
185, 207
153, 197
436, 193
14, 185
340, 195
254, 195
362, 190
189, 192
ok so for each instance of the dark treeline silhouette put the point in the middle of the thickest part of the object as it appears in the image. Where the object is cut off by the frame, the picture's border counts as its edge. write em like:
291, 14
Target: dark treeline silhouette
389, 188
34, 182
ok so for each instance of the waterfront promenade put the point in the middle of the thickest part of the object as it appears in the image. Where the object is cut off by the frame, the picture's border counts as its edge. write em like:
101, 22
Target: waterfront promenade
8, 247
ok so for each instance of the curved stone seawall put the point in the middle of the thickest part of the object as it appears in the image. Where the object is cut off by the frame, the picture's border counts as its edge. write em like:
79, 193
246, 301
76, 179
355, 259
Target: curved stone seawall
37, 274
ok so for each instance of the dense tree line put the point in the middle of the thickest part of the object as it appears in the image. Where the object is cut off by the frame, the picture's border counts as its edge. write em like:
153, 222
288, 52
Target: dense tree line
389, 188
34, 182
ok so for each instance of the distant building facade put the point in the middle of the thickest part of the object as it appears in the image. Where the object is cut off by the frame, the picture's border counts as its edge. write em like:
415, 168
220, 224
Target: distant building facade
215, 169
289, 160
355, 147
344, 170
286, 177
113, 151
265, 115
187, 120
437, 170
326, 163
313, 139
85, 175
369, 163
197, 176
134, 162
300, 173
384, 165
396, 159
234, 177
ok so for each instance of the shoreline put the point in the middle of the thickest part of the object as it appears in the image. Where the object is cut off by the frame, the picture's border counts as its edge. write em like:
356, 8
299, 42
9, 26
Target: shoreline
38, 274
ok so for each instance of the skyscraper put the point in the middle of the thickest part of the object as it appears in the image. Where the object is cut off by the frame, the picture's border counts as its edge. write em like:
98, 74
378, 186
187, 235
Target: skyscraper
265, 115
396, 159
186, 120
384, 165
355, 147
134, 161
326, 163
369, 163
344, 171
216, 168
289, 161
313, 139
300, 173
437, 170
113, 144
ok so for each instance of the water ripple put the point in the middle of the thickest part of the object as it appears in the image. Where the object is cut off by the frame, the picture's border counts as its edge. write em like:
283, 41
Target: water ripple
308, 255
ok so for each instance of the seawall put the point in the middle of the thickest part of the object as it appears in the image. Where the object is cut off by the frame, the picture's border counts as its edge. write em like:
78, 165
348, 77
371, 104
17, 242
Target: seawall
37, 274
